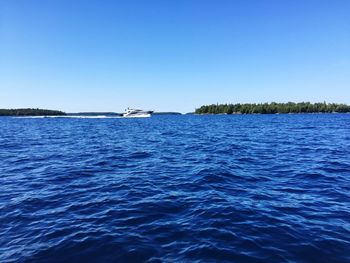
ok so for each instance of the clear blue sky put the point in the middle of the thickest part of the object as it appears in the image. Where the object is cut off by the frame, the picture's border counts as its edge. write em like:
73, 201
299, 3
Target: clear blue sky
172, 55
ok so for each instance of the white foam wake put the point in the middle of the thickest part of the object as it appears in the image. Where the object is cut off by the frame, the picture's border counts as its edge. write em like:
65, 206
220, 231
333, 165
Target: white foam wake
72, 116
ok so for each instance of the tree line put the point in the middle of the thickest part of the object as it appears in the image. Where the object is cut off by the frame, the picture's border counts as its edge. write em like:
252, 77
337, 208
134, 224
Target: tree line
273, 108
30, 112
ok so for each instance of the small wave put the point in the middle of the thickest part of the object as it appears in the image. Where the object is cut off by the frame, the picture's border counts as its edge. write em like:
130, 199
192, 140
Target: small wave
140, 155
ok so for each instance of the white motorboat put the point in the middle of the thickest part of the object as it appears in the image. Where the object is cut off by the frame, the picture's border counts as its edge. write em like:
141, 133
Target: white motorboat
134, 113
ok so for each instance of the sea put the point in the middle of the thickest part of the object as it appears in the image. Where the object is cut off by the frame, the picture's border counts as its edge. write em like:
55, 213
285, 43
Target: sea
189, 188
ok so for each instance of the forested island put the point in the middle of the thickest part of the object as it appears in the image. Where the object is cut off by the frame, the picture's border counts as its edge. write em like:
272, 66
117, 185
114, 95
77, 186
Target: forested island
30, 112
273, 108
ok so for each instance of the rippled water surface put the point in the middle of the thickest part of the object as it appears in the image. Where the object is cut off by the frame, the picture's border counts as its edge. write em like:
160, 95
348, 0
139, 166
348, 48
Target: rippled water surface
254, 188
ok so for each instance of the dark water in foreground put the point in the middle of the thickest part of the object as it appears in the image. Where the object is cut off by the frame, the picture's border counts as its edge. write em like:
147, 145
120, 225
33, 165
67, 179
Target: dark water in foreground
262, 188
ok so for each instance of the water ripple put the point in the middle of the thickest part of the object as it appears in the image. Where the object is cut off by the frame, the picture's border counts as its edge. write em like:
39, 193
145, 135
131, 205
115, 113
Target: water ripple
255, 188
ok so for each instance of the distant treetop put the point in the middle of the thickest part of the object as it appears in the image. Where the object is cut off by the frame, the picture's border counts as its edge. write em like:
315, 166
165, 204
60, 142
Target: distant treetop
30, 112
273, 108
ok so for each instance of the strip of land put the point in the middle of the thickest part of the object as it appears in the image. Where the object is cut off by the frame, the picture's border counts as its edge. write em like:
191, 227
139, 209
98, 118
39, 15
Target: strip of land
30, 112
273, 108
44, 112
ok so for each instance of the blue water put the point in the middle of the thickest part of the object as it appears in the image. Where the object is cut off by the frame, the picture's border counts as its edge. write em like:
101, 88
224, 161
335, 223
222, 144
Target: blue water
253, 188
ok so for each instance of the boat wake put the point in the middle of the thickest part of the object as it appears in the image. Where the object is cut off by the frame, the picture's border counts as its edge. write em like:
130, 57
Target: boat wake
72, 117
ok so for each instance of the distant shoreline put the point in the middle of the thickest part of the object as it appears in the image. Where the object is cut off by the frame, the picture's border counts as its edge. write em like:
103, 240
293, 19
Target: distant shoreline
31, 112
44, 112
289, 113
213, 109
273, 108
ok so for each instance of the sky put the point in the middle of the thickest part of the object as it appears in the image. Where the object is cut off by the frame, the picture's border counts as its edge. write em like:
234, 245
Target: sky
172, 55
